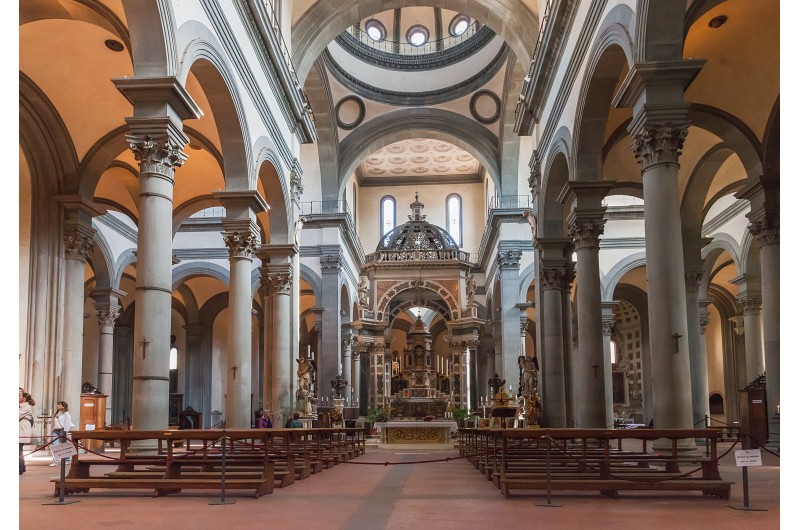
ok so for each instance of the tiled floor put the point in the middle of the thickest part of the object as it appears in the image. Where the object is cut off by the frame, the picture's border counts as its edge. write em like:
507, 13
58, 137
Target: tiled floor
420, 496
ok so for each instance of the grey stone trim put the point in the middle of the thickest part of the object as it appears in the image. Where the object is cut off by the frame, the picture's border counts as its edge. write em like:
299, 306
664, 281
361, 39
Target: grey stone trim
119, 227
437, 27
428, 61
724, 216
229, 42
621, 242
492, 231
208, 224
310, 251
573, 69
361, 112
620, 213
185, 254
414, 179
344, 223
542, 73
396, 31
429, 97
474, 112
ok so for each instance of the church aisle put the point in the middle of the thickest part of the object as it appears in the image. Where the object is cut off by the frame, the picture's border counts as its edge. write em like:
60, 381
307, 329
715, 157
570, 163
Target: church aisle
440, 495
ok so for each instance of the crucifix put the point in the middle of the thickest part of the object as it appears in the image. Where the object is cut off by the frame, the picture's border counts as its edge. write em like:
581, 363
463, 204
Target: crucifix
144, 343
676, 336
595, 366
234, 368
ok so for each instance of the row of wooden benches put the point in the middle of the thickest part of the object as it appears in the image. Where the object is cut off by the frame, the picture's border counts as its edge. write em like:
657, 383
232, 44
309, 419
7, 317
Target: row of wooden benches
167, 462
594, 459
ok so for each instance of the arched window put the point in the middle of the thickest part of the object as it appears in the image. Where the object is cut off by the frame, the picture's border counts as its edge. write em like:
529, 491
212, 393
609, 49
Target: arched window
375, 30
716, 404
417, 35
388, 217
454, 217
459, 25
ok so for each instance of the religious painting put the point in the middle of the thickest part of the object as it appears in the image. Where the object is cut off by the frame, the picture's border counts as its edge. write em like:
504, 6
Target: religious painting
618, 386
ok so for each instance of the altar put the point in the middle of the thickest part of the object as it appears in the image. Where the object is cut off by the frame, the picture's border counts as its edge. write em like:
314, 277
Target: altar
416, 432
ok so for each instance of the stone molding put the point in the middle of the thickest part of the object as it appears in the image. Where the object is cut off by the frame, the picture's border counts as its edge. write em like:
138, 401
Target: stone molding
535, 178
159, 156
331, 263
693, 279
662, 145
296, 185
107, 316
586, 232
509, 259
278, 282
78, 242
241, 244
608, 326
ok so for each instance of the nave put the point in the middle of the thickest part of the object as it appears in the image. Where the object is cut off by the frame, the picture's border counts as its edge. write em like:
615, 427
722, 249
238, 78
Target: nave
449, 494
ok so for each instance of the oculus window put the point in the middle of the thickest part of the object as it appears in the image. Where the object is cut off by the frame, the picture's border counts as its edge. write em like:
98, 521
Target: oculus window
459, 25
387, 215
375, 30
417, 35
454, 218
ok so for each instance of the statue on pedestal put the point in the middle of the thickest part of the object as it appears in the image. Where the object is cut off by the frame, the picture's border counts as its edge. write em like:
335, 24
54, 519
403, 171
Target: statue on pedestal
529, 389
471, 288
305, 389
363, 293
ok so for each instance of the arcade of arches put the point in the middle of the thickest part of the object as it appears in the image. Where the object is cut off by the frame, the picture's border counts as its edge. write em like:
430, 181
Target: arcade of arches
413, 197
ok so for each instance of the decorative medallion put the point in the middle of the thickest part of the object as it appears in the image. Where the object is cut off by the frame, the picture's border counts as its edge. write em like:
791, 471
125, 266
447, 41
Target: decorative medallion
350, 111
484, 105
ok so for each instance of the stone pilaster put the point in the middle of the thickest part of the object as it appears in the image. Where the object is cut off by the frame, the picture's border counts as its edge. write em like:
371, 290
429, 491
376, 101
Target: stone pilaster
608, 331
107, 309
78, 212
749, 305
508, 260
330, 300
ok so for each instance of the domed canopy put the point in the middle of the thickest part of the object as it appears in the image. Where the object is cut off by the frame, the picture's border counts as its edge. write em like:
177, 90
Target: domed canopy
417, 234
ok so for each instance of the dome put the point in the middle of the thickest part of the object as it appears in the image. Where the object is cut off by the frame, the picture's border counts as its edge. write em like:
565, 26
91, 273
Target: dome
417, 234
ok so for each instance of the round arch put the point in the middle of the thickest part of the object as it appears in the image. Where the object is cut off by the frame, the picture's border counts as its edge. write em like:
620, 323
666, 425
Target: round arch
410, 123
556, 176
609, 282
273, 182
399, 287
152, 34
324, 20
184, 272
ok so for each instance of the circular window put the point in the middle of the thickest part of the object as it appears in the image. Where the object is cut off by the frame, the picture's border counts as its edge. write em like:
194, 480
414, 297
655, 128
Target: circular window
459, 25
417, 35
375, 30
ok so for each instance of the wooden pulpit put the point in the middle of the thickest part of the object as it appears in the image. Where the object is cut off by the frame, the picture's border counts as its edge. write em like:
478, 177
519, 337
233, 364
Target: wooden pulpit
93, 417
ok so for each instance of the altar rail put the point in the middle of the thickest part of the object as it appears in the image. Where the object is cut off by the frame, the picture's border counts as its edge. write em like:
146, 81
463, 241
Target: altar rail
167, 462
584, 459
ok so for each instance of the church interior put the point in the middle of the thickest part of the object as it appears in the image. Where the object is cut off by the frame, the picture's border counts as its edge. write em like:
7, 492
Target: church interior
382, 211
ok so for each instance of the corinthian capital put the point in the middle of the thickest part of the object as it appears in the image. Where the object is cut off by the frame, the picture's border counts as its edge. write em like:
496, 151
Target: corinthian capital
280, 282
586, 232
749, 305
78, 243
240, 244
765, 230
509, 259
659, 145
160, 155
551, 278
107, 316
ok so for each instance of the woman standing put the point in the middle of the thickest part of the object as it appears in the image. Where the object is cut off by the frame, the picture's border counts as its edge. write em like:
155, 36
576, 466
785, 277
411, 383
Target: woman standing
62, 423
26, 404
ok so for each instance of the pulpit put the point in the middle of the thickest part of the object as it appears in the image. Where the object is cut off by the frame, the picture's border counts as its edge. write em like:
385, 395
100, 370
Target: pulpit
93, 417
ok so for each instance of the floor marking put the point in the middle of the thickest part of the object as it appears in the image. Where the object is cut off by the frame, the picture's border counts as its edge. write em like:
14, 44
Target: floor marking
412, 453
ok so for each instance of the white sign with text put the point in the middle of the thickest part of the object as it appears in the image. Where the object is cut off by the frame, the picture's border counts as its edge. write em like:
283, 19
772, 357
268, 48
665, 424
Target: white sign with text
748, 457
64, 450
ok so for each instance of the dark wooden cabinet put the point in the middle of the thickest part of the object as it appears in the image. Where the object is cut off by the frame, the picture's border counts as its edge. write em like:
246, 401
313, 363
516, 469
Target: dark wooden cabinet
753, 413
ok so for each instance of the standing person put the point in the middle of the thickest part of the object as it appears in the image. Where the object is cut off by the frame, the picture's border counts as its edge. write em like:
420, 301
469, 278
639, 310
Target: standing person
62, 423
296, 423
262, 420
26, 404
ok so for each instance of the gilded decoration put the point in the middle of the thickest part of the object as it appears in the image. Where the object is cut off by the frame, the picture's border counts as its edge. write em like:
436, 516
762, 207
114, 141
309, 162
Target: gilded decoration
416, 435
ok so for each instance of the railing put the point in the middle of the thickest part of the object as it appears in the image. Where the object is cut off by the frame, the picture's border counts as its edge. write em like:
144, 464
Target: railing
317, 207
286, 52
405, 48
544, 23
509, 202
384, 256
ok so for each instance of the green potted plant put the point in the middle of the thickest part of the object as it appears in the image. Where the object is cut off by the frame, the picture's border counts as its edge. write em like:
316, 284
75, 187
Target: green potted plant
459, 415
376, 414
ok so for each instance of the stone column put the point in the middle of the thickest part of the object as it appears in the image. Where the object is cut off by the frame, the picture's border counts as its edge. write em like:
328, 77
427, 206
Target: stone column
329, 354
585, 228
570, 341
608, 331
554, 406
356, 375
78, 233
195, 382
240, 233
106, 304
506, 364
750, 306
697, 348
655, 91
764, 196
159, 106
347, 367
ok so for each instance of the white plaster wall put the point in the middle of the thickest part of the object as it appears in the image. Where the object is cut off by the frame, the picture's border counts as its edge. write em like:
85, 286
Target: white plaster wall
198, 240
309, 160
117, 243
434, 197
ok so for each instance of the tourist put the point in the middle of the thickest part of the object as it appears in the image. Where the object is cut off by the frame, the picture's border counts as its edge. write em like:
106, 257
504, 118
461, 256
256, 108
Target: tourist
296, 423
262, 420
26, 404
62, 423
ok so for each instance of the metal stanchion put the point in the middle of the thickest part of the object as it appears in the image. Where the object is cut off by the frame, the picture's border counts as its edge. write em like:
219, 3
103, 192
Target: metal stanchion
222, 498
61, 483
550, 503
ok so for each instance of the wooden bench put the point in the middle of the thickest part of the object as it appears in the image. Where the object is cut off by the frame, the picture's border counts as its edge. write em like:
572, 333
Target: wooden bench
585, 459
